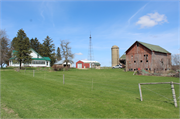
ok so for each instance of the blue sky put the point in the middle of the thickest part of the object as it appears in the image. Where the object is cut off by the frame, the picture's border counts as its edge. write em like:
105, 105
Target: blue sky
110, 23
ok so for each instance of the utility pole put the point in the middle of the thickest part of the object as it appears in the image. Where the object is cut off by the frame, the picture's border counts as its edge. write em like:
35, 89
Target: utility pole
90, 51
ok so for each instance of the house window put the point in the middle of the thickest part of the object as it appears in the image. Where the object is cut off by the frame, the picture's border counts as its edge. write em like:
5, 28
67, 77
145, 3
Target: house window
38, 62
47, 63
37, 56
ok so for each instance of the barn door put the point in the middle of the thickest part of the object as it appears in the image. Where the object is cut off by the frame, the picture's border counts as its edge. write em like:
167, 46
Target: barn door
79, 65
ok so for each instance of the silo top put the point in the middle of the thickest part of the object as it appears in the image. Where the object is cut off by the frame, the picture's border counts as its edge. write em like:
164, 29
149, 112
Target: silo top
115, 47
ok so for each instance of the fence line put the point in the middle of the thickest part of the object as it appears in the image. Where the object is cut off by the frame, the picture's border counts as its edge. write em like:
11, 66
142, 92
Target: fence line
172, 88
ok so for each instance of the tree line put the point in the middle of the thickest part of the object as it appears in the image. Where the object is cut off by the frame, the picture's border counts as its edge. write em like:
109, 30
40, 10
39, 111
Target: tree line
21, 43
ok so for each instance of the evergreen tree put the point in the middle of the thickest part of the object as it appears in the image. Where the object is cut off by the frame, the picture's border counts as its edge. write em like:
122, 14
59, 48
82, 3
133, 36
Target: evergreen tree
35, 44
48, 49
41, 49
22, 45
58, 55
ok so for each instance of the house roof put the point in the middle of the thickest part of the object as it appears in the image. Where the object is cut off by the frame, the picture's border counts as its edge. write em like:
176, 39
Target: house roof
59, 62
151, 47
97, 64
43, 58
14, 51
12, 58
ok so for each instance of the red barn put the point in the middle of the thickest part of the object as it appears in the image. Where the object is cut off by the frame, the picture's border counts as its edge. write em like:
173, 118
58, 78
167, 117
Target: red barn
147, 56
87, 63
82, 64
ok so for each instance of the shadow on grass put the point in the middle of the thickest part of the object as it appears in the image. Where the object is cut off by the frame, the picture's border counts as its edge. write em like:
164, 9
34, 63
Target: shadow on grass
157, 100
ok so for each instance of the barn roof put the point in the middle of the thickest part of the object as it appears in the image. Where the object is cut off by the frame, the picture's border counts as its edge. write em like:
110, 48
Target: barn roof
123, 56
151, 47
88, 61
154, 47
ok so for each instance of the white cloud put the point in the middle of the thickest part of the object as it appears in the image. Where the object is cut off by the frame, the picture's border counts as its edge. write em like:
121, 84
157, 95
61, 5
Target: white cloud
151, 20
78, 53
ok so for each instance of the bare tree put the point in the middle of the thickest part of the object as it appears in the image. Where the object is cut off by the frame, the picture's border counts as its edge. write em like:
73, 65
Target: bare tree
66, 52
176, 59
4, 49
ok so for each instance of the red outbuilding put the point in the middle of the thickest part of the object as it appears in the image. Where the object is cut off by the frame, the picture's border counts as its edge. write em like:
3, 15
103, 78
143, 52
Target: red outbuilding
82, 64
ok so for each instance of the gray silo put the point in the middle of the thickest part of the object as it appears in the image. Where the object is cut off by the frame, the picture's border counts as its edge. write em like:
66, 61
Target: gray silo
115, 55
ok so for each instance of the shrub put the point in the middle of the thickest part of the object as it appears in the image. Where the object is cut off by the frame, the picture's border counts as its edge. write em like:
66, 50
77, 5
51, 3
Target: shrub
57, 67
66, 68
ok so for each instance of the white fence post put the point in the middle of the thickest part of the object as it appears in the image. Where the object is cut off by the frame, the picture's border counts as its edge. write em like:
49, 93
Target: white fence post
33, 73
63, 78
173, 94
140, 92
92, 84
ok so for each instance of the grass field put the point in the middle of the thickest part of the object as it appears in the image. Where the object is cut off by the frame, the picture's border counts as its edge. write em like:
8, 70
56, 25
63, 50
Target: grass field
105, 93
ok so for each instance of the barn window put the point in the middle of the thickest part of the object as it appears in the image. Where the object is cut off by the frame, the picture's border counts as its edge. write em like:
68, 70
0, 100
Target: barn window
146, 60
134, 61
150, 69
162, 61
131, 56
140, 60
137, 44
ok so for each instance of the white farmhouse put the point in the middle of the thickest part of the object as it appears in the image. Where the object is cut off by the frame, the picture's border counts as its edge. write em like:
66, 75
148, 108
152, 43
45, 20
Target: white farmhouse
37, 60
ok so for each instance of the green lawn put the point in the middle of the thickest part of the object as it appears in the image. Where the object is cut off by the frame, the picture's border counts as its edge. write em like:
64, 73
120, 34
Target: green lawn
114, 94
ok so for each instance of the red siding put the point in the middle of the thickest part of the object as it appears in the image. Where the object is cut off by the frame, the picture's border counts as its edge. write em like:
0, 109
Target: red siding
87, 65
84, 65
136, 57
78, 63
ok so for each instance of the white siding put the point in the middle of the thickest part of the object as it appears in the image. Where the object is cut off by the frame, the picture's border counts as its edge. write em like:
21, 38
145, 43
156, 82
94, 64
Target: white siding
34, 54
32, 65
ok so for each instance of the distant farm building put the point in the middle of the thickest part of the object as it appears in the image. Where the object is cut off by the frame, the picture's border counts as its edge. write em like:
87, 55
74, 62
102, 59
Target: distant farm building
62, 63
147, 56
122, 59
87, 64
